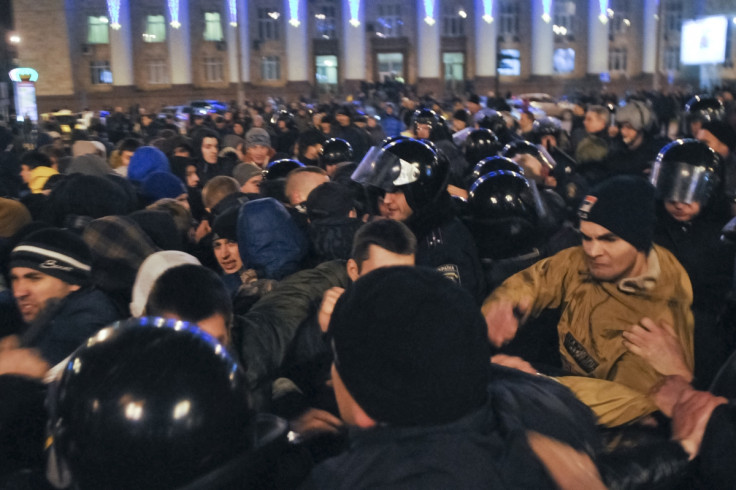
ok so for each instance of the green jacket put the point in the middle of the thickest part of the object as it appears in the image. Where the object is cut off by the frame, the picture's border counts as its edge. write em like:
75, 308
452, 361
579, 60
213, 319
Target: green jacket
265, 333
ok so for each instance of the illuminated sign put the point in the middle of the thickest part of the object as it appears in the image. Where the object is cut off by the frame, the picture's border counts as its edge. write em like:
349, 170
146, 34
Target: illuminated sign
23, 75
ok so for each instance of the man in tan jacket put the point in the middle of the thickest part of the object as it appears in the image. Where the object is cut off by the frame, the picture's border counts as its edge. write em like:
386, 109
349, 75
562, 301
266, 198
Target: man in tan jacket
625, 303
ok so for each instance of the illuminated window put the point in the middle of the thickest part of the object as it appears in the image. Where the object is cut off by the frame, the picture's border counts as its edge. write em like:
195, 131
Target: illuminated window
454, 64
389, 22
214, 70
268, 24
212, 26
155, 29
326, 72
564, 60
97, 30
100, 73
509, 62
390, 66
453, 22
270, 68
158, 72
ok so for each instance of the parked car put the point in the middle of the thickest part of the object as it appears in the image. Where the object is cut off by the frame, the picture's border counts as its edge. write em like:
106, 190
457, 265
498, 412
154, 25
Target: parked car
67, 121
544, 103
181, 114
204, 107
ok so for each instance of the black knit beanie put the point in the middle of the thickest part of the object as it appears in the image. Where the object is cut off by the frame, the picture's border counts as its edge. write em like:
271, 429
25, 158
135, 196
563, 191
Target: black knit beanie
411, 347
55, 252
625, 206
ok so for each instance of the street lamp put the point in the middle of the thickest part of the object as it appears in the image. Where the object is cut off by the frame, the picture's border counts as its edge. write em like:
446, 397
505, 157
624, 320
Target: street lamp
14, 39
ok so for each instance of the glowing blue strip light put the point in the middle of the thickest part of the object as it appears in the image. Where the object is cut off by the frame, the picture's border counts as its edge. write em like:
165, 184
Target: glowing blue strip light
294, 13
174, 14
113, 8
547, 8
354, 12
233, 7
429, 12
488, 11
603, 17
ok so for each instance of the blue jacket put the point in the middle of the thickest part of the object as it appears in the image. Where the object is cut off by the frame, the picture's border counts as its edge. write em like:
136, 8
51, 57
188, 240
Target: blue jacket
269, 240
74, 319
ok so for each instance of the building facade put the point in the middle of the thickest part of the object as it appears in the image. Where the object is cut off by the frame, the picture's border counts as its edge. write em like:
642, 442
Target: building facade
102, 53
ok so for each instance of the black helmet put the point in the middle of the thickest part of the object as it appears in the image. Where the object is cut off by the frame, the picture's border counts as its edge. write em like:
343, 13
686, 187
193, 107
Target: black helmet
704, 108
534, 159
425, 116
405, 164
481, 143
279, 169
493, 164
547, 126
503, 219
686, 170
283, 115
490, 119
334, 151
148, 403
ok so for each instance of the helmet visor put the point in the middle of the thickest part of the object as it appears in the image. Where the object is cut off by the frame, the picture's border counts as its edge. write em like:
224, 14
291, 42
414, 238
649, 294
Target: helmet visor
383, 169
682, 182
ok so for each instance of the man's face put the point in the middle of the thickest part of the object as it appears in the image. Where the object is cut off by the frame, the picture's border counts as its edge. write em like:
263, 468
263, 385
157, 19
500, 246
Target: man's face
343, 119
631, 137
608, 256
209, 150
25, 173
682, 211
593, 122
422, 131
192, 177
252, 185
125, 157
181, 151
396, 206
526, 122
227, 255
33, 290
312, 152
258, 154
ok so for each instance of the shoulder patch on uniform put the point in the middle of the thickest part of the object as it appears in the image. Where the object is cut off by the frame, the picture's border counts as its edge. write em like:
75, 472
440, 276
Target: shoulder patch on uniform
450, 271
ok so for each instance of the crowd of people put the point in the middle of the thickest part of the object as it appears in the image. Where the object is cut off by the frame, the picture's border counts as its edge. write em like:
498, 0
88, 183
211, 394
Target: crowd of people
406, 294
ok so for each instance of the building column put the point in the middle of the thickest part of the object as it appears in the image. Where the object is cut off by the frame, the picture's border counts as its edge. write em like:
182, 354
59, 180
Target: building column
650, 33
597, 39
485, 39
243, 27
428, 40
353, 43
543, 41
297, 41
180, 54
121, 49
